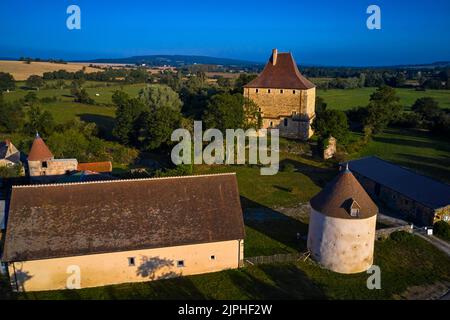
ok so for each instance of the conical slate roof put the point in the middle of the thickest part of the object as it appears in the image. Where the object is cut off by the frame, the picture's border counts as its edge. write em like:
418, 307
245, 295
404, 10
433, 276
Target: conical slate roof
39, 150
336, 199
281, 74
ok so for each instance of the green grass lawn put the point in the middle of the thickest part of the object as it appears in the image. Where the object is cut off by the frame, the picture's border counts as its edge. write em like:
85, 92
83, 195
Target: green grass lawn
105, 92
403, 264
415, 149
344, 99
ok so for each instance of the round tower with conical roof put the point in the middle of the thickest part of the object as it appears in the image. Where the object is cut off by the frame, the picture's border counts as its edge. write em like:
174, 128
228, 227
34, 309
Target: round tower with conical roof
42, 165
342, 224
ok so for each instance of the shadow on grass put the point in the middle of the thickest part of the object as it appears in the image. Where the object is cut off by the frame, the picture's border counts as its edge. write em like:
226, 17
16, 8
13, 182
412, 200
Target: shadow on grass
105, 124
283, 281
275, 225
320, 176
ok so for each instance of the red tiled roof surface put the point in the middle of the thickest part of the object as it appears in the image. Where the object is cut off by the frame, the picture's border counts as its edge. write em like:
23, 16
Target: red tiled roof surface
105, 166
335, 198
70, 219
283, 75
39, 150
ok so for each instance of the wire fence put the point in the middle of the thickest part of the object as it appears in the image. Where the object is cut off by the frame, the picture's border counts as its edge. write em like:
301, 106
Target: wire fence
277, 258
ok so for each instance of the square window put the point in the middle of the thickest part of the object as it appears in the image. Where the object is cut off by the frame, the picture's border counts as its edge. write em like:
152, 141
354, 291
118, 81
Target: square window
213, 257
44, 164
180, 263
131, 261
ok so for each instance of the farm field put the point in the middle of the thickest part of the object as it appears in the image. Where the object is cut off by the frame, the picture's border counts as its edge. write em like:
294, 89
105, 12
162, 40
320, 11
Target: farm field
344, 99
21, 70
104, 91
422, 265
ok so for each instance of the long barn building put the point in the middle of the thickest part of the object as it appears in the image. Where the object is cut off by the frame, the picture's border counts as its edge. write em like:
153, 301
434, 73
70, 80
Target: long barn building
122, 231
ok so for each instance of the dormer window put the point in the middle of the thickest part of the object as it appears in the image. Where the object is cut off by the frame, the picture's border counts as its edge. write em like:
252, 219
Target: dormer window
353, 208
354, 212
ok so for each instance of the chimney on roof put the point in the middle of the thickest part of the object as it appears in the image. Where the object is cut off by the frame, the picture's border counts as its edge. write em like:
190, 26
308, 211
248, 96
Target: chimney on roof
274, 56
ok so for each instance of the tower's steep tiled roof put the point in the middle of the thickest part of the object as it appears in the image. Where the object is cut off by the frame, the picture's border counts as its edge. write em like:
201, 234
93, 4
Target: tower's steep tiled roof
39, 150
71, 219
281, 72
336, 198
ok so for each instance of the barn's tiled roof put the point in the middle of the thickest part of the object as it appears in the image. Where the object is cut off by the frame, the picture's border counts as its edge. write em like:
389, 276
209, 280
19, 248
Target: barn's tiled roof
58, 220
284, 74
102, 167
336, 199
39, 150
429, 192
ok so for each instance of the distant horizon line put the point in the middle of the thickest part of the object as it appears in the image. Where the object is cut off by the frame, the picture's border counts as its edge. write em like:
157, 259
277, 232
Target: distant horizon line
94, 60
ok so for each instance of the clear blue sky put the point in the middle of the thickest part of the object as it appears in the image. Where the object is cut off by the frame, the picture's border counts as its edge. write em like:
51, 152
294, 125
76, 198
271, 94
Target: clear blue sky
317, 32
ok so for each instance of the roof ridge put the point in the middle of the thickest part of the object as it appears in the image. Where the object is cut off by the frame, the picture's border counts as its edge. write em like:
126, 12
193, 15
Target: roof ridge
404, 168
119, 180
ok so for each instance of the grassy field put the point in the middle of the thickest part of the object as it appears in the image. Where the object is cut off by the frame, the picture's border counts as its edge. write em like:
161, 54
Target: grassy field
64, 109
349, 98
21, 70
415, 149
403, 264
103, 90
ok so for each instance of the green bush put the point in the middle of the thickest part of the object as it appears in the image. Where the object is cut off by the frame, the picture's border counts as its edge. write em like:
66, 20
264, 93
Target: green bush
401, 236
442, 230
288, 167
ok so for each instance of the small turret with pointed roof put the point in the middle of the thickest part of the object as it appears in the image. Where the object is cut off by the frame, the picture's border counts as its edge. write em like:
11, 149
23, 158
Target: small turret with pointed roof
39, 150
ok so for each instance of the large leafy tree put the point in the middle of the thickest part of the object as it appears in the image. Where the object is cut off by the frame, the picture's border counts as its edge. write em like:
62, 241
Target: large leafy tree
11, 116
252, 115
39, 121
383, 107
162, 115
225, 111
427, 108
128, 110
148, 120
35, 81
331, 123
6, 82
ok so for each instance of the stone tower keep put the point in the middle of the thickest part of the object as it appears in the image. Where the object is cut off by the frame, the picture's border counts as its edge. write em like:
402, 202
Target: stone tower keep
285, 97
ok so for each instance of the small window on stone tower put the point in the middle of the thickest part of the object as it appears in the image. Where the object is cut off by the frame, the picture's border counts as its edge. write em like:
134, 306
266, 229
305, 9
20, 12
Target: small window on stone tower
131, 261
271, 124
285, 122
354, 208
354, 212
281, 91
256, 90
268, 90
293, 91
